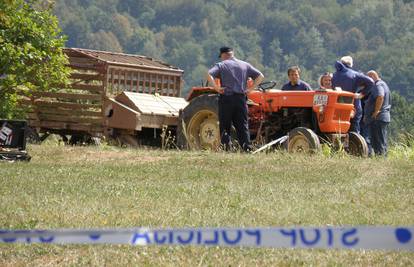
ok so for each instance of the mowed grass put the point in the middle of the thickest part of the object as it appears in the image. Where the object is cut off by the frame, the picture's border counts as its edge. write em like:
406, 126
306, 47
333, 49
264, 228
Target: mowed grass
94, 187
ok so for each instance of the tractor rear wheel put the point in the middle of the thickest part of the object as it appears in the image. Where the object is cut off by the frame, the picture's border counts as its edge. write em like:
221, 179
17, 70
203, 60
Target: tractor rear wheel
357, 146
198, 127
303, 140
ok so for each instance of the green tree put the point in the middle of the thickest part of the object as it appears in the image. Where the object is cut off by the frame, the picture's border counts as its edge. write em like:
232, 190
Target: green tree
272, 35
353, 41
30, 51
402, 115
106, 41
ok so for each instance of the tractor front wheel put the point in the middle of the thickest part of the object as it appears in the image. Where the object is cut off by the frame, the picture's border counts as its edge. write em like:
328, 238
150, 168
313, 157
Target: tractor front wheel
303, 140
357, 146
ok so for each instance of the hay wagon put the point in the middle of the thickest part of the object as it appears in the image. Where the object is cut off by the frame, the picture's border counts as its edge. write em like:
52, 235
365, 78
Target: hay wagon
117, 95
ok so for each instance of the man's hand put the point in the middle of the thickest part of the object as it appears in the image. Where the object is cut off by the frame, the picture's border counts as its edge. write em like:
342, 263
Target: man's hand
378, 105
257, 81
218, 89
358, 96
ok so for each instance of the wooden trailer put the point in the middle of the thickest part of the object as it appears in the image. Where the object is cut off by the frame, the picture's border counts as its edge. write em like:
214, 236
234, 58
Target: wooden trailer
89, 105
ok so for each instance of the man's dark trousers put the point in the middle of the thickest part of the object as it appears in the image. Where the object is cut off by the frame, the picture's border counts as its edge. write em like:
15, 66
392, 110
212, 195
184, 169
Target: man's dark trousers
366, 133
233, 110
379, 137
355, 125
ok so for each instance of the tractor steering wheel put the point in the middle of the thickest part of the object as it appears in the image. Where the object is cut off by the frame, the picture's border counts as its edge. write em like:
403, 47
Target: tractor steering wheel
266, 85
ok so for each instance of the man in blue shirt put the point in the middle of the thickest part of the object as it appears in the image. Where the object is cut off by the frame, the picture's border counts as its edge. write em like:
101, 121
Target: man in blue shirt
352, 81
233, 74
377, 113
295, 83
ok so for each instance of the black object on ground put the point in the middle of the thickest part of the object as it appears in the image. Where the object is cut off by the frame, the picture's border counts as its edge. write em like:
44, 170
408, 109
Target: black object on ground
13, 140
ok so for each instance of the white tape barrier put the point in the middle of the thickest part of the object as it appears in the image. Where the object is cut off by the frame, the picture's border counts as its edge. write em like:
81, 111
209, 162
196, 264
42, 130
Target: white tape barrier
362, 237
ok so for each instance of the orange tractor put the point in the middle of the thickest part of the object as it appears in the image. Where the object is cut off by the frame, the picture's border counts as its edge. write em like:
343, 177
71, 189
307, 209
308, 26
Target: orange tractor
305, 118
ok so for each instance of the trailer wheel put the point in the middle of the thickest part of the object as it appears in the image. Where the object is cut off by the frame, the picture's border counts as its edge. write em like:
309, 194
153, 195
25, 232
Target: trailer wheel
32, 136
303, 140
357, 146
198, 126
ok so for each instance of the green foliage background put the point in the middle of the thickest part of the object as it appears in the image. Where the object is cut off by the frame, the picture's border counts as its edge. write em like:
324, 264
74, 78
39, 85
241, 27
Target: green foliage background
270, 34
30, 51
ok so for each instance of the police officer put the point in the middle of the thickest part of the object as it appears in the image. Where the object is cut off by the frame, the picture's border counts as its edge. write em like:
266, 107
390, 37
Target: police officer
233, 74
352, 81
377, 113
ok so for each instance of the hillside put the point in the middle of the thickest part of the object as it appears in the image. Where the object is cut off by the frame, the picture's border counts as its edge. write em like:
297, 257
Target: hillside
270, 34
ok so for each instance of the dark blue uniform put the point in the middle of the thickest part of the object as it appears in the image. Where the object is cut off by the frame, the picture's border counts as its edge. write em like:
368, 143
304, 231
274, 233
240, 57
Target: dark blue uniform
351, 81
300, 86
233, 74
378, 126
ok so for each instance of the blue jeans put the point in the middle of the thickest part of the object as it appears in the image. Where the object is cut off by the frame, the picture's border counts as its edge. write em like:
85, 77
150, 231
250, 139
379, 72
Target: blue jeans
355, 125
379, 132
366, 133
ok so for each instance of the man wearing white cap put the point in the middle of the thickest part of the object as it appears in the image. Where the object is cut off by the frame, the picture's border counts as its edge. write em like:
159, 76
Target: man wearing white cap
352, 81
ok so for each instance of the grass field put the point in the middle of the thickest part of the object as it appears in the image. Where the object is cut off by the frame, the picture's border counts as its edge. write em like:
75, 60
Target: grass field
94, 187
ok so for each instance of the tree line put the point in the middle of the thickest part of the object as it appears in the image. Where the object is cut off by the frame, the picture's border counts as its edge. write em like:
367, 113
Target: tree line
272, 35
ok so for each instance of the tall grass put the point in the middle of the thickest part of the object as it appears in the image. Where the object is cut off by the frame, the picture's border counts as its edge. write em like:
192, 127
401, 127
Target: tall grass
402, 147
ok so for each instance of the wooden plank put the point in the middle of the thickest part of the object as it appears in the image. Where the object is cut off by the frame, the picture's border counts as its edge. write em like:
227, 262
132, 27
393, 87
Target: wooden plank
164, 89
63, 118
144, 85
116, 88
112, 80
68, 96
121, 77
109, 84
83, 60
162, 83
125, 87
85, 87
65, 126
84, 113
152, 84
155, 83
138, 81
131, 80
61, 104
87, 77
171, 88
175, 86
146, 70
178, 88
84, 66
125, 81
60, 111
155, 121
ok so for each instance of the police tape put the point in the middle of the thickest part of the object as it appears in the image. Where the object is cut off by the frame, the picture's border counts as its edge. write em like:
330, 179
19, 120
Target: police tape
361, 237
